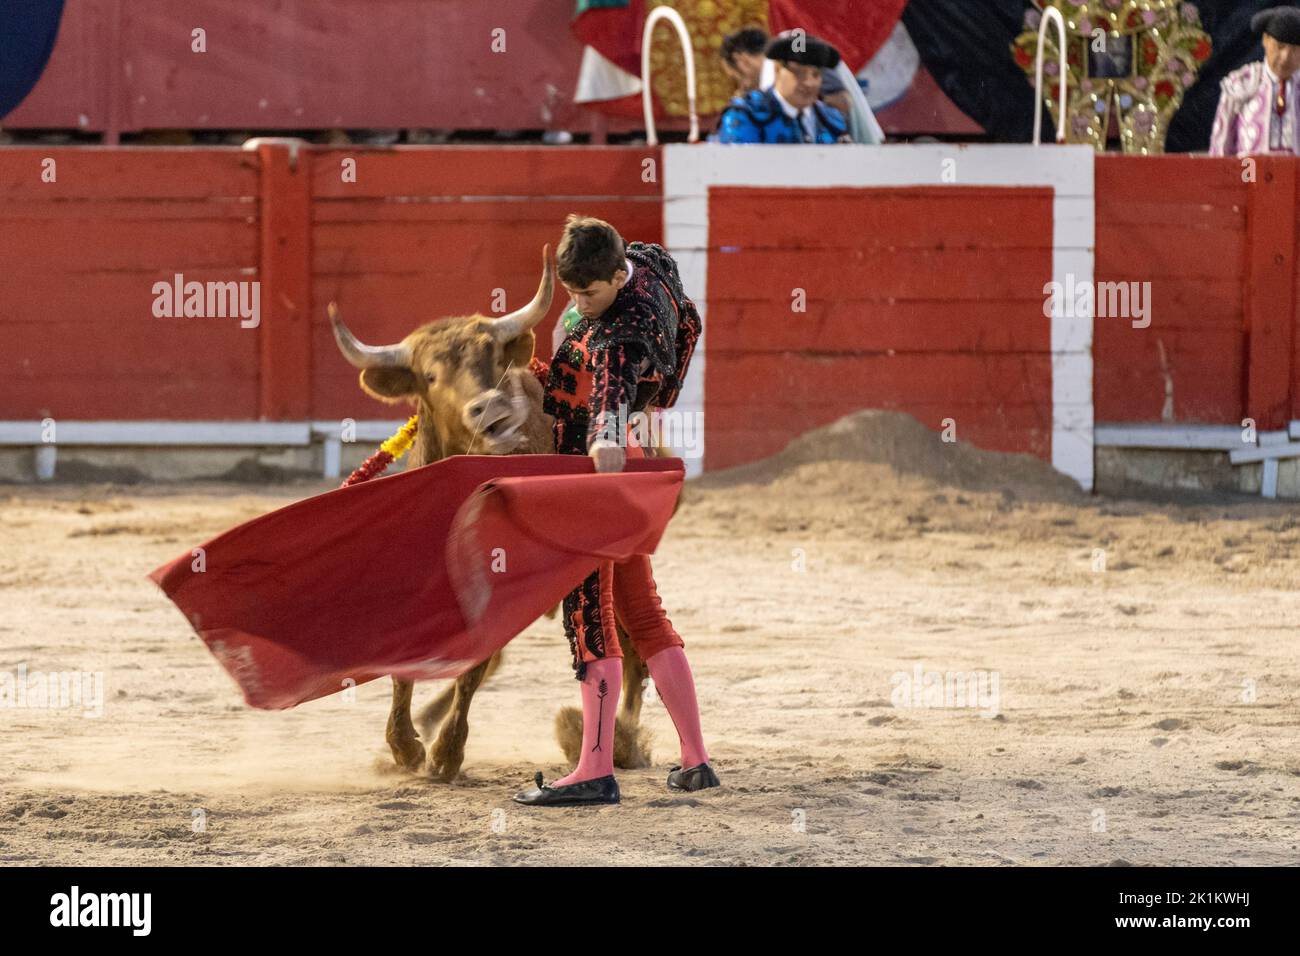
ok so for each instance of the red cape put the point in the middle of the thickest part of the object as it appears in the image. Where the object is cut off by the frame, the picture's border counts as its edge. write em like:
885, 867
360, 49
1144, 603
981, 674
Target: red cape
420, 575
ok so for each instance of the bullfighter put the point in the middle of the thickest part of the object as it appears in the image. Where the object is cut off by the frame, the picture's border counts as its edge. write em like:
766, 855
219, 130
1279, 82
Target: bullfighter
1258, 102
789, 111
629, 348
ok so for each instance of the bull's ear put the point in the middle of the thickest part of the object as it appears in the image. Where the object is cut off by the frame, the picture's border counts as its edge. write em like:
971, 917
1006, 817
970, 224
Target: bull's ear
519, 350
389, 384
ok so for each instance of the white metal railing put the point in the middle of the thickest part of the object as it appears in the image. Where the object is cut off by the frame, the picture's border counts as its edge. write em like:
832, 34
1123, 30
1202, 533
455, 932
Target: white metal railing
44, 437
1050, 15
688, 54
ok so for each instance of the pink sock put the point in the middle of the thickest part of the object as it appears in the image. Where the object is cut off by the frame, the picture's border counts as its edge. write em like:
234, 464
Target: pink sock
600, 690
676, 688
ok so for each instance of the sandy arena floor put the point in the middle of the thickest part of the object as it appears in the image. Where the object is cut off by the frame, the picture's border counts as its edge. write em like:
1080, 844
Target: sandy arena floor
1145, 712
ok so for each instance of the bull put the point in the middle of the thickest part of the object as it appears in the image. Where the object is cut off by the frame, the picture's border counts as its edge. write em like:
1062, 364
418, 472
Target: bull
468, 378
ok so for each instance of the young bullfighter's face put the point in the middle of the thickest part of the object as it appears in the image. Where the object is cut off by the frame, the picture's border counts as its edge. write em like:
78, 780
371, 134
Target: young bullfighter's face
593, 299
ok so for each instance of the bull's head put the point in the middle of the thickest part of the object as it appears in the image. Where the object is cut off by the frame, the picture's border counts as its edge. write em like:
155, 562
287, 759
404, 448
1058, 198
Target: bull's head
461, 372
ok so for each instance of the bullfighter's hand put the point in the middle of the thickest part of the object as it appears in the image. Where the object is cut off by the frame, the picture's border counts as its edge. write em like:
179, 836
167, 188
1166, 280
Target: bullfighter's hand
609, 456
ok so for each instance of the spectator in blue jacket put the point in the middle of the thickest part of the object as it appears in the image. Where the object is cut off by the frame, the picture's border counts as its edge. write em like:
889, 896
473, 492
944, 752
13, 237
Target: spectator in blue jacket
790, 111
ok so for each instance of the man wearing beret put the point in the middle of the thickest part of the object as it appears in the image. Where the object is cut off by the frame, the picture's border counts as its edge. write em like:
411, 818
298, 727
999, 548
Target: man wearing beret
790, 111
1257, 105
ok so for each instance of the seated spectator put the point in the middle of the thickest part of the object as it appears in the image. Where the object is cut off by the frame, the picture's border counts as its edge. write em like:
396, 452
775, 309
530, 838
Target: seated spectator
742, 58
833, 92
1257, 103
789, 112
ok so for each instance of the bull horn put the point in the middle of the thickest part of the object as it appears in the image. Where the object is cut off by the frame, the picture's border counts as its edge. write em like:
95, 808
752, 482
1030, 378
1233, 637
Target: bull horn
516, 323
366, 356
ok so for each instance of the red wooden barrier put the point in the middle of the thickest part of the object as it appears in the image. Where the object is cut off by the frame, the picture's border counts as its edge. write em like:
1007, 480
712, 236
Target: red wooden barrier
285, 274
421, 233
917, 298
1270, 286
1179, 223
924, 300
424, 233
81, 255
1217, 239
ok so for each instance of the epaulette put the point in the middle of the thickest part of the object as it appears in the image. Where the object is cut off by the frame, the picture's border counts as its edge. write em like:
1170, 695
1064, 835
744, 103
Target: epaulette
1242, 84
760, 105
831, 118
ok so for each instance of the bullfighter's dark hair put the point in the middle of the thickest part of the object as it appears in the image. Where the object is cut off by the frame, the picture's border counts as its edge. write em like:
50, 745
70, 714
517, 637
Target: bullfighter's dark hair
591, 250
748, 40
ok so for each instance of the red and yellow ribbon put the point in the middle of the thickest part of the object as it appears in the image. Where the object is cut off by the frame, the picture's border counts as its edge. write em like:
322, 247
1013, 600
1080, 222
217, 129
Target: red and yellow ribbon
392, 449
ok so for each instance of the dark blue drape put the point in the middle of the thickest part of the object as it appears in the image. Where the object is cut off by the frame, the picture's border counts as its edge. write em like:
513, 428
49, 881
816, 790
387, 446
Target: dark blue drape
27, 32
965, 44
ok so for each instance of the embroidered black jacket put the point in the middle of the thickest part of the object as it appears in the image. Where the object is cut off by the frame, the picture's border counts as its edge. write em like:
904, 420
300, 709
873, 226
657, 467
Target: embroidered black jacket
633, 355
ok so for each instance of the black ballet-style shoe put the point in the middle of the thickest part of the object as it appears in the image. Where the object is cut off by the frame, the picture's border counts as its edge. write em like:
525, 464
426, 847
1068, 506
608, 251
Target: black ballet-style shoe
602, 790
697, 778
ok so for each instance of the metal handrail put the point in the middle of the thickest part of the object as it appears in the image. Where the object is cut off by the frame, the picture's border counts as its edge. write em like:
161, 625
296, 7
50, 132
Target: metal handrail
675, 18
1050, 15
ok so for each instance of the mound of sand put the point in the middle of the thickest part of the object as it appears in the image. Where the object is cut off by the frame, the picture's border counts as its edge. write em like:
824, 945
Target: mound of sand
908, 449
885, 480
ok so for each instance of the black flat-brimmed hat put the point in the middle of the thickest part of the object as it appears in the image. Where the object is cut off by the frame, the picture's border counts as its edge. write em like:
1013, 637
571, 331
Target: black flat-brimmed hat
1281, 23
801, 48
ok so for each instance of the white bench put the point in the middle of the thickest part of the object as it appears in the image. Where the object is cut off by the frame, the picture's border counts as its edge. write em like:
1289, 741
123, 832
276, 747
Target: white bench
68, 433
331, 433
1269, 448
72, 433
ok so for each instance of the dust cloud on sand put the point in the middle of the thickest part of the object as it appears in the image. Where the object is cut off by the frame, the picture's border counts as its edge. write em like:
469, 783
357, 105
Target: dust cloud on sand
1120, 681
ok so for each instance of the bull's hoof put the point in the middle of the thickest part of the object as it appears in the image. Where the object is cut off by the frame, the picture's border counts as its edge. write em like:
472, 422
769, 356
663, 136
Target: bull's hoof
631, 740
631, 745
408, 752
445, 770
448, 753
